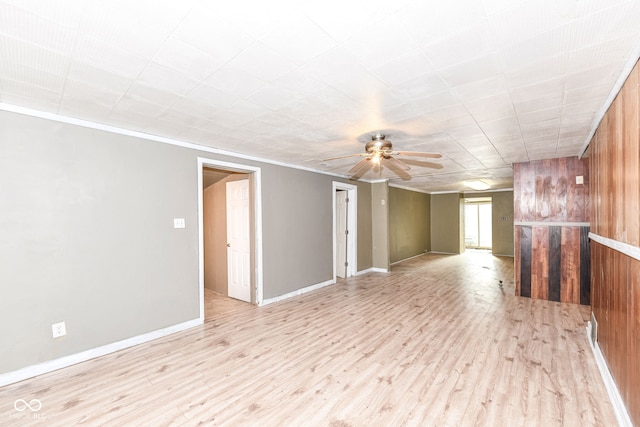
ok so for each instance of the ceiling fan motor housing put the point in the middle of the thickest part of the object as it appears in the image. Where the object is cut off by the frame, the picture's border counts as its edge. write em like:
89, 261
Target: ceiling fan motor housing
378, 144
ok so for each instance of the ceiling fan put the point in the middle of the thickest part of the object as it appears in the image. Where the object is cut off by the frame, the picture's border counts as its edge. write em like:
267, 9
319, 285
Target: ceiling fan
380, 149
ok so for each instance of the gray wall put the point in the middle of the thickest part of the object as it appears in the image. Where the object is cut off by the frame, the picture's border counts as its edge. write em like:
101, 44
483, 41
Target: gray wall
88, 238
446, 223
409, 223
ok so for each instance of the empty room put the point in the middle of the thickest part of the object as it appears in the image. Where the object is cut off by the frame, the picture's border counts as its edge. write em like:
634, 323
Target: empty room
297, 213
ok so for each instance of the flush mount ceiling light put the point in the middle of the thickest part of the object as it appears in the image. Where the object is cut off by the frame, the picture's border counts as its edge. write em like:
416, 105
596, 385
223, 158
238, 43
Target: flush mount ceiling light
477, 185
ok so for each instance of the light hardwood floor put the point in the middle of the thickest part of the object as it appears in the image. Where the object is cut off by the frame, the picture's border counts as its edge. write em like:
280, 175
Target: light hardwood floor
436, 342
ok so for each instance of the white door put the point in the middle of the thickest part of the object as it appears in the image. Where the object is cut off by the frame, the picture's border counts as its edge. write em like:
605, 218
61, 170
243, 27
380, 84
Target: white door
238, 240
341, 233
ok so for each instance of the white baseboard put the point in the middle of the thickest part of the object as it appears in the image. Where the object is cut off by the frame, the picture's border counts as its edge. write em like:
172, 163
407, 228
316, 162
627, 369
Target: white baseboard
614, 395
297, 292
63, 362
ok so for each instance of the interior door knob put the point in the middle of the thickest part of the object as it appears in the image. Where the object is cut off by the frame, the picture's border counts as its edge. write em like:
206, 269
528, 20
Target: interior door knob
228, 245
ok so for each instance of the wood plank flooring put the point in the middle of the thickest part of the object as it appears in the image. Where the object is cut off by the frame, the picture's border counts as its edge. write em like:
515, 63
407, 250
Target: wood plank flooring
435, 342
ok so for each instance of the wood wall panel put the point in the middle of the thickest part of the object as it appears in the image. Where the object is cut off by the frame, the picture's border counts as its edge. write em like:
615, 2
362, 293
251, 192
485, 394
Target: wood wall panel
547, 198
633, 336
615, 214
552, 263
617, 311
570, 264
524, 266
631, 159
585, 267
516, 257
540, 262
555, 263
615, 159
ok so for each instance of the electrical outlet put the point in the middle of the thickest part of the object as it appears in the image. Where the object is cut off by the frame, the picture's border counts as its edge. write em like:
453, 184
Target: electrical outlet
59, 329
178, 223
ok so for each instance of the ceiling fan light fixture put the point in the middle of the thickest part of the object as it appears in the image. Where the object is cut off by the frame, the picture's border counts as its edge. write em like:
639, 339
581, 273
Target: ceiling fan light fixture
477, 185
376, 158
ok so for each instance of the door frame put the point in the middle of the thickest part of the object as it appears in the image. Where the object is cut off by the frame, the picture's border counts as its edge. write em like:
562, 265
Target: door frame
352, 225
256, 196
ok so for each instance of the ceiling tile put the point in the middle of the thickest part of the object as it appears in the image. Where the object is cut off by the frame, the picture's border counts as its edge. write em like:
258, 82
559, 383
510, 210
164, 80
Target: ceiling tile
262, 63
547, 69
206, 29
158, 76
254, 18
236, 82
25, 25
212, 96
529, 19
186, 59
479, 68
428, 21
290, 80
342, 20
491, 108
273, 97
309, 41
473, 41
404, 68
482, 88
116, 27
372, 45
108, 58
618, 21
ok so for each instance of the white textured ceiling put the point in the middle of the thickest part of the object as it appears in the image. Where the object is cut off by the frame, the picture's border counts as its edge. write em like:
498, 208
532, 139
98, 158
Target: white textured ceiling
485, 83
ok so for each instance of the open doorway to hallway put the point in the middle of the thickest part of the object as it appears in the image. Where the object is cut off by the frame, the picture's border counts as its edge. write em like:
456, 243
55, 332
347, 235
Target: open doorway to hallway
230, 232
478, 223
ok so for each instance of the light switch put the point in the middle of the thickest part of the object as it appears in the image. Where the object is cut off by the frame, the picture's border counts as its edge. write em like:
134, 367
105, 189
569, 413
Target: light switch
579, 179
178, 223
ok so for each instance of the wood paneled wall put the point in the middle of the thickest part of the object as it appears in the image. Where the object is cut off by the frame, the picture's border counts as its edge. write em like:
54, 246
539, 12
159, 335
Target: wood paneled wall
615, 222
551, 214
615, 158
616, 306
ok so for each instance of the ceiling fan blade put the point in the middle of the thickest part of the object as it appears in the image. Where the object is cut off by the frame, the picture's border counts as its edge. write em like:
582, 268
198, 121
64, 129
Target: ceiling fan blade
397, 163
398, 167
422, 164
418, 154
361, 164
345, 156
362, 169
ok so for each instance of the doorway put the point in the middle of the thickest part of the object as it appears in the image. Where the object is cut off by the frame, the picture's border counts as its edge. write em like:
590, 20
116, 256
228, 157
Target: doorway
344, 230
229, 205
478, 223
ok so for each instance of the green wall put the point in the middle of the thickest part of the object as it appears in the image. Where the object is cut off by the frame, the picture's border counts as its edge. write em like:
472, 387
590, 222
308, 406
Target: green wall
409, 223
501, 220
380, 225
446, 223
